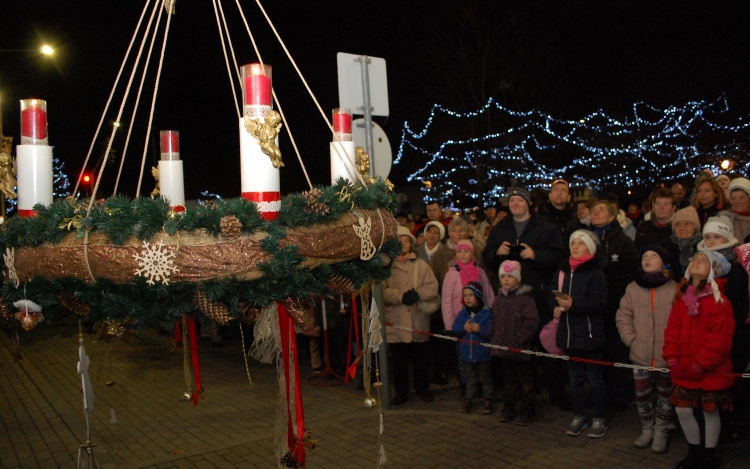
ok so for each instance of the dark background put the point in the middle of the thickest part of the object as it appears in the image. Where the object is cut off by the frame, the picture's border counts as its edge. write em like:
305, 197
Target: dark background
565, 58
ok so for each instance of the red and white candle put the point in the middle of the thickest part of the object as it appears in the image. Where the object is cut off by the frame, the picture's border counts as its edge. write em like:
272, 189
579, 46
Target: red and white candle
257, 88
171, 181
34, 158
343, 162
260, 180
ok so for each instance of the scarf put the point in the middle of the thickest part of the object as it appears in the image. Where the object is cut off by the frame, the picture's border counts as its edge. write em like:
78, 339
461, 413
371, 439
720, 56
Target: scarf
652, 279
585, 220
601, 231
432, 251
575, 262
468, 272
687, 247
691, 300
726, 250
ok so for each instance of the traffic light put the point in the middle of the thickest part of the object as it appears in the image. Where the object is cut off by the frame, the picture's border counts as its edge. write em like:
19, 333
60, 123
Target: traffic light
86, 184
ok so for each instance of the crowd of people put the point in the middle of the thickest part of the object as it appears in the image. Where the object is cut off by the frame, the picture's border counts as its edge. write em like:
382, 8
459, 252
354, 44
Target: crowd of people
658, 285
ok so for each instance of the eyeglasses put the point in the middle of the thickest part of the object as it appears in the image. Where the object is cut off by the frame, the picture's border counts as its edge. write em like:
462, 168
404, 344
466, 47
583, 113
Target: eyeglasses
700, 260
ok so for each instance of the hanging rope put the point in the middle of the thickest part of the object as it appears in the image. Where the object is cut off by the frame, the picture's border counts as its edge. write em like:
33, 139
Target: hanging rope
291, 137
229, 40
140, 90
111, 94
226, 59
153, 103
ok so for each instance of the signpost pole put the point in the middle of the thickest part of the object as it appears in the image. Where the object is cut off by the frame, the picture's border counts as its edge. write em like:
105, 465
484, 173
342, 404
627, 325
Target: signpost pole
364, 61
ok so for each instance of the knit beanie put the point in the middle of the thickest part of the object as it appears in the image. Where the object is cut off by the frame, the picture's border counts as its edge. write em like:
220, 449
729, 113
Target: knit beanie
590, 239
512, 268
464, 245
688, 214
439, 225
721, 177
739, 184
719, 268
521, 192
721, 225
477, 289
666, 259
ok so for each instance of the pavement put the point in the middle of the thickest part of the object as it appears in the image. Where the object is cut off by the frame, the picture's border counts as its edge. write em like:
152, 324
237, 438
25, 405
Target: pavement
43, 424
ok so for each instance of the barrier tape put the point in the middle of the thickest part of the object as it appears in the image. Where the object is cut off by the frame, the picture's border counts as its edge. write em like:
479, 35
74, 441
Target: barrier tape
549, 355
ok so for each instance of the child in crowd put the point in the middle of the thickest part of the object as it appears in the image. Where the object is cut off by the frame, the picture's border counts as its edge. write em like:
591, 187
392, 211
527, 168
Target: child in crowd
697, 344
580, 304
473, 324
641, 320
514, 324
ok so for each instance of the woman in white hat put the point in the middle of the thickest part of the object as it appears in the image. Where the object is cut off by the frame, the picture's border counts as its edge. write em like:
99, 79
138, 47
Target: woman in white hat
738, 194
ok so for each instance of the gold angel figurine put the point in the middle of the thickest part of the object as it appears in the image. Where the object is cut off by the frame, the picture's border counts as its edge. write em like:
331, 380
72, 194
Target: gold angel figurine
266, 132
363, 162
7, 176
155, 174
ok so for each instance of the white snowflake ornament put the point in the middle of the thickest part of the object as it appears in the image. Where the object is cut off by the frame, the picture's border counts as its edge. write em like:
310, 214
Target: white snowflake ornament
155, 262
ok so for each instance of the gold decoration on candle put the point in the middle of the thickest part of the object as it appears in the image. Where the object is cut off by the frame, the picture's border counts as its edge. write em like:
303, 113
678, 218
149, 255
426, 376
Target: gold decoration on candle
72, 223
363, 162
231, 226
389, 185
7, 175
265, 132
155, 173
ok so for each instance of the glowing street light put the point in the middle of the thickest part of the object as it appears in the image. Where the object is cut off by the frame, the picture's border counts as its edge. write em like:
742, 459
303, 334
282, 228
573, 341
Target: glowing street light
726, 164
47, 50
44, 50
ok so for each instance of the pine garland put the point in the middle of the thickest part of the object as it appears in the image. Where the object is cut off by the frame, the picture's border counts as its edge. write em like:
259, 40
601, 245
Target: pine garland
148, 305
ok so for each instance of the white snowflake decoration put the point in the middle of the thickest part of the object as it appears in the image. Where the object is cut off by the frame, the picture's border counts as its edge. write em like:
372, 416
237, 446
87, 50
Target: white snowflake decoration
155, 264
10, 261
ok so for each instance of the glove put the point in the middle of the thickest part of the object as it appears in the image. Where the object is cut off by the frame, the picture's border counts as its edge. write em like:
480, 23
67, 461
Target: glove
410, 297
675, 370
694, 373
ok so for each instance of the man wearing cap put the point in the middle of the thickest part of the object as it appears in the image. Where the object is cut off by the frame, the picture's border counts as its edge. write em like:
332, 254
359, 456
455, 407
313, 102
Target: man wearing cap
558, 209
537, 245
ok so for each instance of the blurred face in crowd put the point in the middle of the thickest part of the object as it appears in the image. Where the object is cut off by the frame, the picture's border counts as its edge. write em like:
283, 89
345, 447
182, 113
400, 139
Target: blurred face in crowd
559, 195
678, 191
739, 201
432, 236
723, 183
713, 239
583, 211
600, 215
433, 212
457, 233
491, 214
420, 238
663, 209
684, 229
578, 248
508, 281
469, 299
405, 244
699, 267
651, 262
518, 206
705, 194
464, 256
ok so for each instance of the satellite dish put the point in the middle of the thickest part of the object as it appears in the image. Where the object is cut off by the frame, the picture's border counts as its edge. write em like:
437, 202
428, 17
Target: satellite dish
381, 147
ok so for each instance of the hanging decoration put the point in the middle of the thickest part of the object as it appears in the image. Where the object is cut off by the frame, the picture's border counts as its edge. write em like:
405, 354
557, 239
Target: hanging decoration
155, 263
29, 314
10, 262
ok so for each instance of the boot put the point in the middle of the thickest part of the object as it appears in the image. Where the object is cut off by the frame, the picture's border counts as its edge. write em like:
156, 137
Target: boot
661, 436
489, 407
710, 459
647, 434
466, 406
693, 458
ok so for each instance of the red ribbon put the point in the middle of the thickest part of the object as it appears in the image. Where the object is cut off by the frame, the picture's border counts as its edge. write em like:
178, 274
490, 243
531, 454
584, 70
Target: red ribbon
193, 338
23, 213
289, 341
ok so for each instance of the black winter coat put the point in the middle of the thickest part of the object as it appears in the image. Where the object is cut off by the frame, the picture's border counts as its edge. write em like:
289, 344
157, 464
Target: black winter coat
546, 241
620, 261
561, 218
582, 326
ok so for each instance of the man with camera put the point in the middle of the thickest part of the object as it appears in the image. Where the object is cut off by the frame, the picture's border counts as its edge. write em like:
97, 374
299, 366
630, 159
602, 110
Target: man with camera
537, 244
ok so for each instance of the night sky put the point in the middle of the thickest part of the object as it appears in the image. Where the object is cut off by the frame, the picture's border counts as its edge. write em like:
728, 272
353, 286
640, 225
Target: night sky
595, 55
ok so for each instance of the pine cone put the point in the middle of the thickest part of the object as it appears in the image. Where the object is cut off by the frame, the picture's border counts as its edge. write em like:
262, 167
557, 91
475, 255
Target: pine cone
215, 310
78, 306
341, 285
312, 201
230, 226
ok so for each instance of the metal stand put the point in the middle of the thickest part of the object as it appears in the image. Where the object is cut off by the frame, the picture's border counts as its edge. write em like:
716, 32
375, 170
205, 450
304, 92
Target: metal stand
320, 380
88, 447
367, 108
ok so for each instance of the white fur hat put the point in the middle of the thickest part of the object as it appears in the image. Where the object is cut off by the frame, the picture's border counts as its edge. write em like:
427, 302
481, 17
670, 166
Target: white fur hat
439, 225
721, 225
739, 184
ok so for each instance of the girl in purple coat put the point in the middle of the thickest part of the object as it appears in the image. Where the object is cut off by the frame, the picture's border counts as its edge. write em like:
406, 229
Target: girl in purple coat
514, 324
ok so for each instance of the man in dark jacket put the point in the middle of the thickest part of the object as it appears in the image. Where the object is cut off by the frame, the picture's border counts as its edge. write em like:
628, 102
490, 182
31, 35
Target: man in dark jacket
537, 245
658, 228
619, 260
558, 209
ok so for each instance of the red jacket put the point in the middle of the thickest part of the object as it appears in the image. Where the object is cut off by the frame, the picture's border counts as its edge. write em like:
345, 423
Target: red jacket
705, 339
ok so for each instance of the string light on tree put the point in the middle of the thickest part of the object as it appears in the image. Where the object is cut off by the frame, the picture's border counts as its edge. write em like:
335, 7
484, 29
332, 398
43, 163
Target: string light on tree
598, 151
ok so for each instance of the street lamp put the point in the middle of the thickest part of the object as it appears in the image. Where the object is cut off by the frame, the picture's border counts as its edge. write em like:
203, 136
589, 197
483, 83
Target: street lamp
47, 50
44, 50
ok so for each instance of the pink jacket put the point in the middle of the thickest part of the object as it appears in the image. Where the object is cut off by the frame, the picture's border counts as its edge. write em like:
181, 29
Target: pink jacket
452, 295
